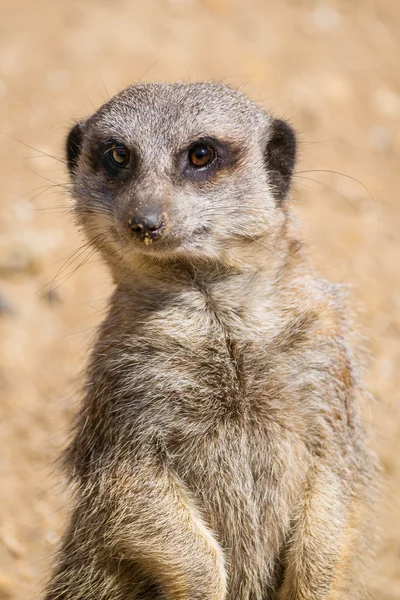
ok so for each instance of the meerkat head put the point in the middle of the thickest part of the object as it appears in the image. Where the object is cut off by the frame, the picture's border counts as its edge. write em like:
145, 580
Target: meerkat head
173, 170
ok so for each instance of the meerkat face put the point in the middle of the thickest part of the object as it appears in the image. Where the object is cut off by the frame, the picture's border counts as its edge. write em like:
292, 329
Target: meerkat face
179, 169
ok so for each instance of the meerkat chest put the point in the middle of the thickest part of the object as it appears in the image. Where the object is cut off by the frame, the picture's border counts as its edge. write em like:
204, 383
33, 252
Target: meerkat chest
190, 368
210, 395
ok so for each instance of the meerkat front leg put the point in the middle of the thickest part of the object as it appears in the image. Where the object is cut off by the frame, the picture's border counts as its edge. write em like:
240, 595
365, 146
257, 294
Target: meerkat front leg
319, 548
141, 519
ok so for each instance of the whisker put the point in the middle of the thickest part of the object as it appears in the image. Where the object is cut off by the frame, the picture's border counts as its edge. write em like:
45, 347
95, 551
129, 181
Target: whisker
57, 158
70, 260
104, 86
44, 191
149, 69
268, 247
53, 287
81, 264
325, 185
58, 183
347, 177
86, 94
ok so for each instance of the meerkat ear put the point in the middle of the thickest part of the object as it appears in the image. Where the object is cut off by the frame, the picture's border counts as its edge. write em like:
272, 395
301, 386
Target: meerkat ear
73, 145
280, 157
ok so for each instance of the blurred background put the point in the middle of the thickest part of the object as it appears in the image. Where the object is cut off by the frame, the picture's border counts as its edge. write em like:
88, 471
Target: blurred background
330, 67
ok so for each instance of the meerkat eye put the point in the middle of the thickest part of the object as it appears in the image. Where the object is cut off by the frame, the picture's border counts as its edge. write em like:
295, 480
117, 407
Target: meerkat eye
201, 155
118, 156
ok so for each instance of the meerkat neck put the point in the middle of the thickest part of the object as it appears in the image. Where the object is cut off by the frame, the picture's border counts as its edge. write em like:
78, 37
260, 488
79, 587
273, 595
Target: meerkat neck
240, 278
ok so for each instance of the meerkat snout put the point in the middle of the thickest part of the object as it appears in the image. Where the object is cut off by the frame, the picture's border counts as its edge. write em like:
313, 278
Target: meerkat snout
148, 224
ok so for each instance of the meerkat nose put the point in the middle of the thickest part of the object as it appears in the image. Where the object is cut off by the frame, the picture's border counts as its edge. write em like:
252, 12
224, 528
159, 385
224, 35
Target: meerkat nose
147, 227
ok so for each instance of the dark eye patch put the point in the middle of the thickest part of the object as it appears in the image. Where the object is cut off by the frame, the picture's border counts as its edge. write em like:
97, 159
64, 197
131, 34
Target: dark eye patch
205, 157
112, 157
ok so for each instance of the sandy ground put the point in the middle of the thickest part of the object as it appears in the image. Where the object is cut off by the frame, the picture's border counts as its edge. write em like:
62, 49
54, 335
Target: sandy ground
331, 68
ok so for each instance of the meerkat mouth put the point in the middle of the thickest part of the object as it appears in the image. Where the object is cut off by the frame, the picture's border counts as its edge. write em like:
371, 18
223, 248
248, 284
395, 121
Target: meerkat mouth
147, 235
147, 229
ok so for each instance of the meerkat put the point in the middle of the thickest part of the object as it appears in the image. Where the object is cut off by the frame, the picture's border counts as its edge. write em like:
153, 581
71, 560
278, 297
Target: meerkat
218, 453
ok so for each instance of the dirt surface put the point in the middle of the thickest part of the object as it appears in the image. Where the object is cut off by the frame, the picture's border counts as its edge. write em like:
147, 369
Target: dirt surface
331, 68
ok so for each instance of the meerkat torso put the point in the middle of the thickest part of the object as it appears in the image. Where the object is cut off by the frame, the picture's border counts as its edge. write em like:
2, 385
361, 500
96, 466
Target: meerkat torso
218, 453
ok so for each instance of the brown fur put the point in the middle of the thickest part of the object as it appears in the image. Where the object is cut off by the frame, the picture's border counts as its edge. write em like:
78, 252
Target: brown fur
218, 453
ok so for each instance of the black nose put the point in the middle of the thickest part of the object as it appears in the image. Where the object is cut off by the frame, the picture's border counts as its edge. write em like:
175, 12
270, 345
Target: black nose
149, 226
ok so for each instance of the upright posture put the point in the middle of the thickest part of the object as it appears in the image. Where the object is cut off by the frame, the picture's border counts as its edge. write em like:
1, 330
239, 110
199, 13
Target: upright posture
218, 453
